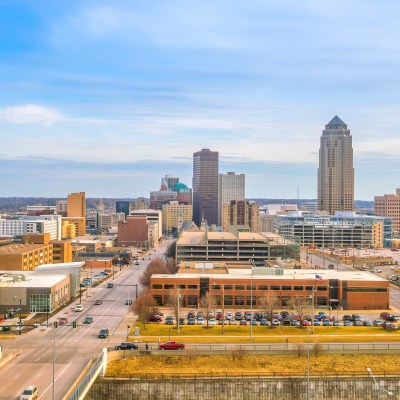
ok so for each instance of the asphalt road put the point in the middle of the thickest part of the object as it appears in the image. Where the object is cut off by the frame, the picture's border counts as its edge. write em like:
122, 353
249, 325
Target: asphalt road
73, 348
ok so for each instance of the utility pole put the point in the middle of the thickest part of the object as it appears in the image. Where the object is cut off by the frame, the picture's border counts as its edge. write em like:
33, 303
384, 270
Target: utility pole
223, 310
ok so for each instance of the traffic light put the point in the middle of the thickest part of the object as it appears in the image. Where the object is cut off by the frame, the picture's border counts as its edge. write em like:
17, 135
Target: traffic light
55, 324
74, 324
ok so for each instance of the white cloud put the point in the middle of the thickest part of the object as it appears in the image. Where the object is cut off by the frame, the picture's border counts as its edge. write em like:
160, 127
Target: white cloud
29, 114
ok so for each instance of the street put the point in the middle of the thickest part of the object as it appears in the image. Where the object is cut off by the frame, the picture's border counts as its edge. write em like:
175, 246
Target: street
72, 348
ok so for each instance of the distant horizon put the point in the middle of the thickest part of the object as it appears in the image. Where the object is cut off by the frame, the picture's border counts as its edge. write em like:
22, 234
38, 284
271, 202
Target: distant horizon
107, 97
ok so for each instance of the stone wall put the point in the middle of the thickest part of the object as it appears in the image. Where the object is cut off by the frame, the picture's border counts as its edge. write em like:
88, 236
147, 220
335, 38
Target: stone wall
244, 389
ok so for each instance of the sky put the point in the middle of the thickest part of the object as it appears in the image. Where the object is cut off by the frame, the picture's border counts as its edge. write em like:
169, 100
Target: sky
108, 97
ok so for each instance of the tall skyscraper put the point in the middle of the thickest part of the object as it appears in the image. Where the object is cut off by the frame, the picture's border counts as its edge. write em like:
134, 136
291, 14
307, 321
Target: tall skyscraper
230, 187
76, 205
336, 172
205, 186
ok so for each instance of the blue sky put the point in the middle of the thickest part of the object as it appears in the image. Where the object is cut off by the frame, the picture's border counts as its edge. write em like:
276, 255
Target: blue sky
108, 97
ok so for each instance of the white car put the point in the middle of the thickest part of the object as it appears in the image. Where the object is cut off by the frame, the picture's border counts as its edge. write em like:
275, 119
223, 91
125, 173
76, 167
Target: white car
79, 308
200, 321
30, 393
228, 315
212, 321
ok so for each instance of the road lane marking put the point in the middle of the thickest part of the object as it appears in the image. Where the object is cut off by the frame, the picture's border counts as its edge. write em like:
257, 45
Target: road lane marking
37, 359
55, 379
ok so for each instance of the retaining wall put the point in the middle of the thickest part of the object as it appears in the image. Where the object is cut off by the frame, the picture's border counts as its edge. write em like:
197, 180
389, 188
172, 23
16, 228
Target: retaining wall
244, 389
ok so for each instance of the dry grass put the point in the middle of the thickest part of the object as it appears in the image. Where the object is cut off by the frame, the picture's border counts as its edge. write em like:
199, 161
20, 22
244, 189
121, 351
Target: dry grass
324, 363
261, 334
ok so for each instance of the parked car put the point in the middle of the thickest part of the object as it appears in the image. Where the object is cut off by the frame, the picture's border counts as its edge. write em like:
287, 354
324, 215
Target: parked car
386, 315
316, 322
275, 322
200, 315
242, 322
191, 321
331, 266
200, 321
212, 321
306, 322
247, 315
228, 315
347, 317
347, 323
181, 321
377, 322
356, 317
219, 315
169, 320
63, 321
367, 323
128, 302
110, 285
238, 315
286, 322
172, 346
126, 346
30, 393
357, 322
98, 302
79, 308
103, 333
264, 322
155, 318
190, 314
88, 319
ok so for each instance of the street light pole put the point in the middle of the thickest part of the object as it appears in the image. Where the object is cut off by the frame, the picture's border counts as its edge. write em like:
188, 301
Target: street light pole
251, 305
308, 363
313, 306
179, 300
20, 316
377, 387
223, 309
54, 360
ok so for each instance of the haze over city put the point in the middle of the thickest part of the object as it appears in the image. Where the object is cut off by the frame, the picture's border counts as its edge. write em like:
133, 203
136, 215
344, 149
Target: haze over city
107, 98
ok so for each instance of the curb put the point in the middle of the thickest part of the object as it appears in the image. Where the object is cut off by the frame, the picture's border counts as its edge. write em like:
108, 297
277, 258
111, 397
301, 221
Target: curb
9, 358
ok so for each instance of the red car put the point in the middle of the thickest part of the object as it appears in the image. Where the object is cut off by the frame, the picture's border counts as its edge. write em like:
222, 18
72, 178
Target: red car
155, 318
172, 346
98, 302
63, 320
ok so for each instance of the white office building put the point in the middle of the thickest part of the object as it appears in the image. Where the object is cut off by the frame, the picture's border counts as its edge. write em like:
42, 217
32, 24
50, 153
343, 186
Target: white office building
230, 187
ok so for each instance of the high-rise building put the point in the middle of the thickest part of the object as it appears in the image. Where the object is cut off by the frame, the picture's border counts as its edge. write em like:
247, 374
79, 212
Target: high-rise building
171, 180
388, 205
230, 187
336, 172
241, 212
124, 206
174, 215
76, 205
205, 186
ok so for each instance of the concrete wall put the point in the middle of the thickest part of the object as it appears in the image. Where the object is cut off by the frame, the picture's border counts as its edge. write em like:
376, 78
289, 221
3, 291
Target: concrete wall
243, 389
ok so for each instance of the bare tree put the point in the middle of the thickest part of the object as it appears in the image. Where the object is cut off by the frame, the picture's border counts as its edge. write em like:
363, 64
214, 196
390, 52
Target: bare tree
301, 306
144, 306
172, 267
269, 304
174, 303
171, 250
156, 266
208, 303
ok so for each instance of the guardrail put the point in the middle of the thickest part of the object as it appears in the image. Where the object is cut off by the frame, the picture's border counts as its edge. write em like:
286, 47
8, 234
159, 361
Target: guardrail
84, 385
244, 375
280, 347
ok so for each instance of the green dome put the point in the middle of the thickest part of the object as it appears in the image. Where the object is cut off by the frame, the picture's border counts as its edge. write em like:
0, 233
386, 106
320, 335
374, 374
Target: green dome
180, 187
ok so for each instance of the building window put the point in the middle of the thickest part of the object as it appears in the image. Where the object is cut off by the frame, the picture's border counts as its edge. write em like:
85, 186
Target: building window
169, 286
239, 287
192, 300
239, 300
286, 288
249, 287
181, 286
228, 287
228, 300
192, 286
310, 288
262, 287
275, 288
322, 288
298, 287
157, 286
366, 289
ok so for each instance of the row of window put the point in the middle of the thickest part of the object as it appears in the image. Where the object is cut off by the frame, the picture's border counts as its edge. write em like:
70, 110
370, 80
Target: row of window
241, 287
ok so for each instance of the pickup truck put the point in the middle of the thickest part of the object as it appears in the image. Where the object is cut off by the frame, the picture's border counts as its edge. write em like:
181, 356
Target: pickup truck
172, 346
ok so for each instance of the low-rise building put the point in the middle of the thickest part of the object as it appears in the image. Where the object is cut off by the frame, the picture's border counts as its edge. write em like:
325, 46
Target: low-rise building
237, 287
344, 229
236, 244
25, 257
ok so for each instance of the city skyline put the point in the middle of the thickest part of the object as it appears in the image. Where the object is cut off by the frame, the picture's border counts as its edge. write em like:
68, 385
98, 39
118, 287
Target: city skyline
106, 98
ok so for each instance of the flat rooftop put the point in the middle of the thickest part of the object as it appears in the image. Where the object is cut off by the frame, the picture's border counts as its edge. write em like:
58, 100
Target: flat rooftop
13, 249
292, 274
29, 279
